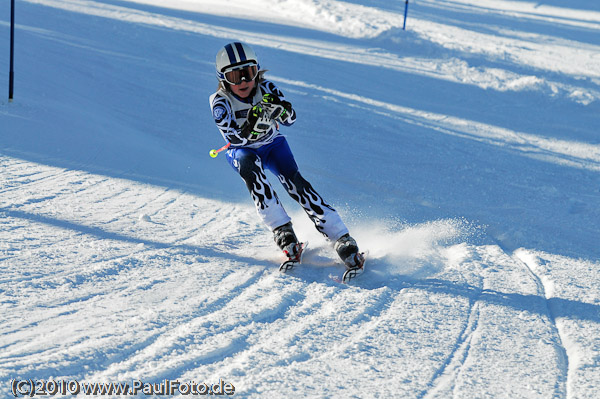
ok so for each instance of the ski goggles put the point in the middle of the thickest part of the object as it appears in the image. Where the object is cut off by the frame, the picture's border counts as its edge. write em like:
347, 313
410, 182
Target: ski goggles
241, 73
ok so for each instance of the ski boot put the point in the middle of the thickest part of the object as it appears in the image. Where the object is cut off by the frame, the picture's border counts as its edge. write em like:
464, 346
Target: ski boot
347, 250
288, 242
354, 260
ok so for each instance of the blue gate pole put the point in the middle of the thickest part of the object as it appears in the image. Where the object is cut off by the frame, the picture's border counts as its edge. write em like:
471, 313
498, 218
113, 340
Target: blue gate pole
11, 74
405, 13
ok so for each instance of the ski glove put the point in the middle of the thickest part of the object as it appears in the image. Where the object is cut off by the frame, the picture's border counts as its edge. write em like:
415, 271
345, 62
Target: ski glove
279, 109
258, 122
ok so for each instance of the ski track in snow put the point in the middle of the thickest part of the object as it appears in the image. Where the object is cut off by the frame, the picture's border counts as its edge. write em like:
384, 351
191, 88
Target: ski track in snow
122, 272
564, 354
111, 275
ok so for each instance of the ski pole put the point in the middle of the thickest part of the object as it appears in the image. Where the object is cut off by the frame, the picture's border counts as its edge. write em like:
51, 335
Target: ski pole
214, 153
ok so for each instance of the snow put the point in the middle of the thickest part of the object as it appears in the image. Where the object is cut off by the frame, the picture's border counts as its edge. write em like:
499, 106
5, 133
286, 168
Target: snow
463, 154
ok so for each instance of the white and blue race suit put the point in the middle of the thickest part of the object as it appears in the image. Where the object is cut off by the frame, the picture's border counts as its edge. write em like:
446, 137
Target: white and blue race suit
270, 151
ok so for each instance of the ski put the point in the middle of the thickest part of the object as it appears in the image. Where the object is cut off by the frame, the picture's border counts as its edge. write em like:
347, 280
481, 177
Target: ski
291, 263
354, 272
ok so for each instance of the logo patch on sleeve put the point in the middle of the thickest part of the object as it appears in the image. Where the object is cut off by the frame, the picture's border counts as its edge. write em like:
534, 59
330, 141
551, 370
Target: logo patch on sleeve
218, 113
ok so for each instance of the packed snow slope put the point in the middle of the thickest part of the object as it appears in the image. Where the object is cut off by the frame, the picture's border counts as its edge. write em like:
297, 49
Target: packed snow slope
463, 153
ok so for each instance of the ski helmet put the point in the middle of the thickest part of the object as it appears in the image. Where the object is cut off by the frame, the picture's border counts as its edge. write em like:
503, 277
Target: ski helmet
235, 56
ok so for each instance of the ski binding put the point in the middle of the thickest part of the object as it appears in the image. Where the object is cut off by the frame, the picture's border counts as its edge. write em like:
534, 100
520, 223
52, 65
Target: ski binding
291, 263
356, 271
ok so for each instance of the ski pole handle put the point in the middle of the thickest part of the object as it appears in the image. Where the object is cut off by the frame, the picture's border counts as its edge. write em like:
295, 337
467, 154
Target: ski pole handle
214, 153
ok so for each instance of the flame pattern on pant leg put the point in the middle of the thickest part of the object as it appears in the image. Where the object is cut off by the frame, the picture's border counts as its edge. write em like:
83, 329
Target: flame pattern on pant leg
260, 189
314, 205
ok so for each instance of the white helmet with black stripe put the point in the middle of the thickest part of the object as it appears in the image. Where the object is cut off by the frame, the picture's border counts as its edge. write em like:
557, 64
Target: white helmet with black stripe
234, 56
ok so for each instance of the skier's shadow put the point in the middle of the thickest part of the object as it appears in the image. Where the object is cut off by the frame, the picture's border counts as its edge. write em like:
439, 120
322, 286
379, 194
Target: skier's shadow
108, 235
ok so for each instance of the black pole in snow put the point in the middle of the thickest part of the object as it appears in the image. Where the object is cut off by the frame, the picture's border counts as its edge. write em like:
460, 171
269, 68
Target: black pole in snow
405, 14
11, 76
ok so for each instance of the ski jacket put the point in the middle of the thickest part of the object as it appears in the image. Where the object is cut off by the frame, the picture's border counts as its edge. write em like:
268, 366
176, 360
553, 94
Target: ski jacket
230, 113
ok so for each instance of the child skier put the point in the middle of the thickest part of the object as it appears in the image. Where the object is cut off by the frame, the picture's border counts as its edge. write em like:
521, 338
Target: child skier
248, 110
